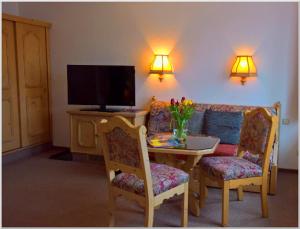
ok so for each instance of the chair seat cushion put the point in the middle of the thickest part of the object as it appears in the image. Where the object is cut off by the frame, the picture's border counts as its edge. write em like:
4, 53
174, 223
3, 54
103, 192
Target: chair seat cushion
229, 168
164, 178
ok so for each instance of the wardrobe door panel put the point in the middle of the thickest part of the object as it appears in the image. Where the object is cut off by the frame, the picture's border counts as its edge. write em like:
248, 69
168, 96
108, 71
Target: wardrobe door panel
33, 84
10, 111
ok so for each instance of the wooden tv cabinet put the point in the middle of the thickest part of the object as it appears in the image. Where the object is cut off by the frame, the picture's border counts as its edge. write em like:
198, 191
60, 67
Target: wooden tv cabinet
83, 127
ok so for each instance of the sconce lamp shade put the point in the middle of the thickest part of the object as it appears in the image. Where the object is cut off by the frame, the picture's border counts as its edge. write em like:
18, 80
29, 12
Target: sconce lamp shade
161, 65
243, 67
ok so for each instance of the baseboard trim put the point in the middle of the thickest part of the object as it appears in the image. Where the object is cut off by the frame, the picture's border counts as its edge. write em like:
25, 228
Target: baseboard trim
288, 170
83, 157
22, 153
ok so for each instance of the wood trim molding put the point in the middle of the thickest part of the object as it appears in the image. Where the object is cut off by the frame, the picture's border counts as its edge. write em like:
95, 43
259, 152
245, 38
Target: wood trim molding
25, 152
288, 170
25, 20
49, 82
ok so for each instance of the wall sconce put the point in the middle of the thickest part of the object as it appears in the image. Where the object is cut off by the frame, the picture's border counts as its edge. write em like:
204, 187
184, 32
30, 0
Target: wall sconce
243, 67
161, 65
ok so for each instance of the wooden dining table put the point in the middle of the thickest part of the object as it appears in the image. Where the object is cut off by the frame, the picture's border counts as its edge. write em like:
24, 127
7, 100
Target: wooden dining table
186, 157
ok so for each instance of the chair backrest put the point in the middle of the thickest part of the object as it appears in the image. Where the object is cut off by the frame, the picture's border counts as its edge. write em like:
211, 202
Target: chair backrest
257, 137
124, 147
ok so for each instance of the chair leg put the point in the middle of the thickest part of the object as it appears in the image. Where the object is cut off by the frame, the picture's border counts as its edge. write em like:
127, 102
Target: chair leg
111, 208
202, 190
264, 201
185, 201
149, 214
240, 193
225, 204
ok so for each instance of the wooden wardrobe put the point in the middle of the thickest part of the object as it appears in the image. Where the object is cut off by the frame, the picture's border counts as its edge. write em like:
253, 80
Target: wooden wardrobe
26, 118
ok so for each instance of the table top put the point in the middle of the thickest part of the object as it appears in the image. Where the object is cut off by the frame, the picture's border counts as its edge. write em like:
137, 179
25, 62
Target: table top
195, 145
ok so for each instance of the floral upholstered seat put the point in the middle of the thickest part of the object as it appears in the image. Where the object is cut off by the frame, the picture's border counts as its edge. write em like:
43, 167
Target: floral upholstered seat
163, 177
229, 168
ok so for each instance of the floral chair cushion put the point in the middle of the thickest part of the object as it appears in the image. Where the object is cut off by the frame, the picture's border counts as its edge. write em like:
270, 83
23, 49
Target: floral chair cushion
164, 178
123, 148
229, 168
254, 135
257, 159
254, 158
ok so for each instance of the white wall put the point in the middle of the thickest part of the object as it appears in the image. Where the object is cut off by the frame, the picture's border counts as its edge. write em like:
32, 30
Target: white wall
202, 39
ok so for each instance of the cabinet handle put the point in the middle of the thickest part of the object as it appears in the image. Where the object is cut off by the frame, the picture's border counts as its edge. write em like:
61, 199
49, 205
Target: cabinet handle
97, 135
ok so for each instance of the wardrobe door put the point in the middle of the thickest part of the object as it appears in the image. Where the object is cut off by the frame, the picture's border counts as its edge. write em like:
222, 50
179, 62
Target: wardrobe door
10, 111
33, 84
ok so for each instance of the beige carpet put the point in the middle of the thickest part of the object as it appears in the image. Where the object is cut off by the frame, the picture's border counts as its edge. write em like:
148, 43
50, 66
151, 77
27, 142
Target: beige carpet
51, 193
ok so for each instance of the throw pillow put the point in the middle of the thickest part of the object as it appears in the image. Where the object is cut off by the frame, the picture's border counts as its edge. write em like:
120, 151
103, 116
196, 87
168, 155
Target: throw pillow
195, 124
159, 118
224, 125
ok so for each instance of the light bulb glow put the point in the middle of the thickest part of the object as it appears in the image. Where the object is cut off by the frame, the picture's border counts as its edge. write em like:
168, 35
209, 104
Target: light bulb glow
243, 67
161, 65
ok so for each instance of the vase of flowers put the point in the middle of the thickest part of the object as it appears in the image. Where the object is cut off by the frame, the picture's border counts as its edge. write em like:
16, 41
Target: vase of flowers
181, 113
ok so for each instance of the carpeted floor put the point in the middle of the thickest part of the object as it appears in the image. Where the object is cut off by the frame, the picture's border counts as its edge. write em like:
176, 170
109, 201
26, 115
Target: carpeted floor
52, 193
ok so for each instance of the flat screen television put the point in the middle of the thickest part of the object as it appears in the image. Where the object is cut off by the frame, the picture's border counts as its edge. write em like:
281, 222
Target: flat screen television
101, 85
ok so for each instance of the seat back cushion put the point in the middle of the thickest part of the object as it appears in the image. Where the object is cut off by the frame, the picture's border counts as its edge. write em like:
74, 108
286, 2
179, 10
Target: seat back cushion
224, 125
122, 148
255, 134
195, 124
159, 118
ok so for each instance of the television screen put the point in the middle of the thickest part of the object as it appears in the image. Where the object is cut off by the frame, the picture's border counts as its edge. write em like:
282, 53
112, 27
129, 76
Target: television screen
101, 85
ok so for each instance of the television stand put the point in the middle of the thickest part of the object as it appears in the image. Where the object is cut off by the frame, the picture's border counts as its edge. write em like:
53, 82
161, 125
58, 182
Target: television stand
84, 136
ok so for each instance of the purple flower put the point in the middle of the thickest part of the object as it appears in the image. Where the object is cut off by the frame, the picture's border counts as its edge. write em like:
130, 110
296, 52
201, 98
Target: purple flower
172, 102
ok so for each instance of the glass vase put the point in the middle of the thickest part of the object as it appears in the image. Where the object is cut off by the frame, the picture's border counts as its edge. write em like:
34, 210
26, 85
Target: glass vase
180, 131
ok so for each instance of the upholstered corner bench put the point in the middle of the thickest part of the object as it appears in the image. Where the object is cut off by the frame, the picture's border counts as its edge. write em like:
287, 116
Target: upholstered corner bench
220, 120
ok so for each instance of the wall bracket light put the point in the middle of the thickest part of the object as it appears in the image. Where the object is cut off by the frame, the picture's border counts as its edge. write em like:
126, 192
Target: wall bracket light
161, 65
243, 67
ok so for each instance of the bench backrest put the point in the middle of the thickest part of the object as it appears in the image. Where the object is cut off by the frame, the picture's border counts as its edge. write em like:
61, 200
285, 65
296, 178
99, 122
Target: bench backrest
160, 118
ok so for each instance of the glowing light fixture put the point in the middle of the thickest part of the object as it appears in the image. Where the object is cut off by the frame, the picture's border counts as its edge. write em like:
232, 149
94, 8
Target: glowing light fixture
243, 67
161, 65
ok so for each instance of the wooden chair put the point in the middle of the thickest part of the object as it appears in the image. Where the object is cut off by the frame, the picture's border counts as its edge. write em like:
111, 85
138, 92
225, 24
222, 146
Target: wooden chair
125, 148
250, 167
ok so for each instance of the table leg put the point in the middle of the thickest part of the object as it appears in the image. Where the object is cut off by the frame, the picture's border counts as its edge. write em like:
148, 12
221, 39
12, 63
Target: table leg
193, 200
